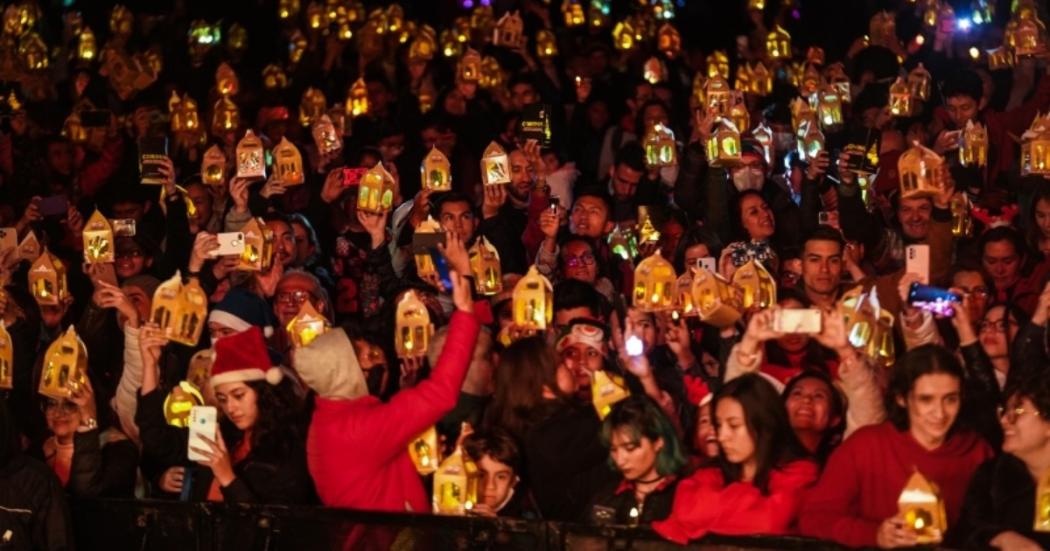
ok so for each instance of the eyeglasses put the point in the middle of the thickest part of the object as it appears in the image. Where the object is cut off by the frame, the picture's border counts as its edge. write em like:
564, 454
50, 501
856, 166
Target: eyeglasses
997, 326
294, 298
579, 261
58, 406
1012, 413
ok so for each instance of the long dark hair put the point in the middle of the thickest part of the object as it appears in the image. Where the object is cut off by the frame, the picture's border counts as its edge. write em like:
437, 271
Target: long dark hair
737, 218
924, 360
1032, 233
278, 429
525, 368
639, 417
833, 434
767, 423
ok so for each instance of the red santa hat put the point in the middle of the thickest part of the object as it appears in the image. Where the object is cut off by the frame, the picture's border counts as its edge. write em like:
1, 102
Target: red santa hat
242, 357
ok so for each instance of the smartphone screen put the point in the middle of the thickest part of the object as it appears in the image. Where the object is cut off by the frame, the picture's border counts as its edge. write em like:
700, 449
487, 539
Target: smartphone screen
938, 301
203, 423
55, 205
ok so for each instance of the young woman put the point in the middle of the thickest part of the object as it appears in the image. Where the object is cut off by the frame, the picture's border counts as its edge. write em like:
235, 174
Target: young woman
855, 501
645, 450
761, 470
755, 224
1037, 223
816, 411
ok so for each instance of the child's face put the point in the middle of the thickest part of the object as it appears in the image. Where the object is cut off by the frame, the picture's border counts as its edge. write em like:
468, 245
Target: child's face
497, 480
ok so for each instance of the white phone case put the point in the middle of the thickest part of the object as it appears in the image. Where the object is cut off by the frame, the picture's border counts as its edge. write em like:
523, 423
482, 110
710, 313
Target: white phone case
203, 422
917, 261
230, 244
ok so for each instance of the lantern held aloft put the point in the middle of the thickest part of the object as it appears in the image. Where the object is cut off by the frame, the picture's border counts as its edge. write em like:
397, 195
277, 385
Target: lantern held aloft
180, 310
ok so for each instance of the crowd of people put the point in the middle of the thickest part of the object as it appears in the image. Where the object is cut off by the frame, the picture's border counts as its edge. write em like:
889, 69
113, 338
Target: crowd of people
615, 397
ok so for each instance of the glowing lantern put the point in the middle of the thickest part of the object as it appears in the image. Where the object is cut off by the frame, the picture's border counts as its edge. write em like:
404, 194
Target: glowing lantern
413, 327
533, 301
1000, 58
919, 80
87, 48
29, 248
1041, 520
743, 77
33, 51
654, 284
606, 390
423, 450
1030, 35
65, 366
624, 35
761, 80
484, 264
180, 310
177, 405
760, 289
920, 172
47, 280
900, 99
316, 16
647, 233
250, 162
98, 239
764, 136
509, 30
73, 130
739, 114
425, 268
922, 508
973, 145
718, 95
456, 485
422, 49
296, 46
213, 166
7, 352
469, 67
286, 9
327, 138
495, 165
121, 21
546, 44
1035, 147
357, 99
829, 108
778, 43
718, 65
623, 242
715, 299
660, 148
723, 147
225, 117
312, 105
572, 13
491, 74
258, 247
226, 81
306, 326
962, 219
802, 114
376, 191
287, 164
184, 117
668, 41
436, 171
653, 71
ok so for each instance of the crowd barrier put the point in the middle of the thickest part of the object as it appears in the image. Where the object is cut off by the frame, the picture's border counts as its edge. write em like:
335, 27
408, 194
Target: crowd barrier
140, 525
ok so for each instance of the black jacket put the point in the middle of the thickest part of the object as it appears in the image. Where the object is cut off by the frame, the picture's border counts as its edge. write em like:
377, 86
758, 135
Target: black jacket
33, 507
613, 504
1000, 498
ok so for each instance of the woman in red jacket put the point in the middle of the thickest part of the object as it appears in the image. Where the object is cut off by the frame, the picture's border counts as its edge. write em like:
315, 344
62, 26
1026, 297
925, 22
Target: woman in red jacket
761, 470
855, 501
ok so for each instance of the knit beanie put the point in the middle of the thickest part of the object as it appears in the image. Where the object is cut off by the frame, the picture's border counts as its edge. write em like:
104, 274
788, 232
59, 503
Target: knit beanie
329, 366
242, 357
241, 309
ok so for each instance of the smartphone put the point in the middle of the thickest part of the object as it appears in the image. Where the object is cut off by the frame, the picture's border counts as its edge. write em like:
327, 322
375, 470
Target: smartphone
933, 299
553, 203
441, 266
230, 244
352, 176
54, 205
123, 227
797, 320
709, 263
105, 272
828, 218
954, 138
151, 150
423, 242
8, 239
917, 261
95, 118
203, 422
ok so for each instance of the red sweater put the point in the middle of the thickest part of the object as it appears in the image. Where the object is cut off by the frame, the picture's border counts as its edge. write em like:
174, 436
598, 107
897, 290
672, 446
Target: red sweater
357, 450
865, 475
704, 503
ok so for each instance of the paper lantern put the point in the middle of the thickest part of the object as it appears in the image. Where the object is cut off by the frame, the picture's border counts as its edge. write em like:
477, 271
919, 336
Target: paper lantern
572, 13
413, 328
919, 82
1030, 37
606, 390
469, 67
250, 162
715, 299
962, 218
1041, 519
177, 405
306, 326
287, 164
423, 450
668, 41
258, 247
181, 310
422, 49
1035, 147
225, 117
47, 280
203, 35
900, 99
740, 116
98, 239
684, 302
456, 485
7, 352
287, 9
29, 248
226, 81
376, 191
654, 284
922, 508
778, 43
87, 48
761, 80
73, 130
311, 106
660, 148
357, 99
743, 77
723, 147
426, 231
64, 366
183, 112
623, 242
764, 136
647, 233
509, 31
653, 71
760, 289
436, 171
718, 65
213, 166
758, 5
327, 137
829, 108
546, 44
491, 73
973, 145
33, 51
485, 266
920, 172
1000, 58
801, 114
533, 301
495, 165
316, 16
811, 143
624, 35
718, 95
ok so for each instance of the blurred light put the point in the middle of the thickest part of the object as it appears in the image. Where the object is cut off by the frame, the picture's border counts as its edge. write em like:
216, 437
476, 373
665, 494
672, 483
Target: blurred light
920, 39
467, 4
963, 24
634, 346
796, 14
974, 53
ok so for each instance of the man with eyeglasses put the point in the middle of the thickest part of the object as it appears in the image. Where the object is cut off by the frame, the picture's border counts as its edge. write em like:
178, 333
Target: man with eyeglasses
294, 289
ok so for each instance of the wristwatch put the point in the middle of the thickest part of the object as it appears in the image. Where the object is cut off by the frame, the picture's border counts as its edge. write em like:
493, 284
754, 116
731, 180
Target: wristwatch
89, 424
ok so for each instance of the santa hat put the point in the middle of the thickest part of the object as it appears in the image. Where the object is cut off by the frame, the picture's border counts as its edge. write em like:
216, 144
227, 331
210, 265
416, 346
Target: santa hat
242, 357
241, 310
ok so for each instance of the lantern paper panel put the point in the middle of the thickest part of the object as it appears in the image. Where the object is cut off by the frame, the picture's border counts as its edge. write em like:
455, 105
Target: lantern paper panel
424, 452
456, 485
761, 83
718, 65
829, 108
811, 143
654, 284
180, 310
546, 44
684, 303
376, 191
225, 117
920, 82
962, 218
7, 352
250, 162
226, 81
98, 239
660, 148
647, 233
64, 366
724, 147
495, 165
327, 137
177, 405
923, 511
306, 326
901, 99
715, 299
287, 164
427, 233
718, 95
485, 265
1000, 58
509, 31
29, 248
1041, 519
469, 67
213, 166
1035, 147
533, 301
778, 43
973, 145
413, 328
759, 287
47, 280
357, 99
183, 113
312, 105
623, 242
764, 136
738, 112
436, 171
258, 247
920, 171
606, 390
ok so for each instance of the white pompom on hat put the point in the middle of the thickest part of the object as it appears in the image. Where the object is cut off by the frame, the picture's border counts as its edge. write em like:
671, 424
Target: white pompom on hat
242, 357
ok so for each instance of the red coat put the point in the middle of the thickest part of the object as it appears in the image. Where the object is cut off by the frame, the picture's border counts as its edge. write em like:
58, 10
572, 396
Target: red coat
704, 503
357, 450
865, 475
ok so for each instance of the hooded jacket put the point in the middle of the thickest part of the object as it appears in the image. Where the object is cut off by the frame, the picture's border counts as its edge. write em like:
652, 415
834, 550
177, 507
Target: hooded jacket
357, 446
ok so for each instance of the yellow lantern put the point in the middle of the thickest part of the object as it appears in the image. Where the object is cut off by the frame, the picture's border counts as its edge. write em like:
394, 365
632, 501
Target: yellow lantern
376, 191
653, 71
922, 508
180, 310
484, 264
312, 105
778, 43
327, 137
423, 450
829, 108
258, 247
287, 164
177, 405
357, 99
316, 16
98, 239
29, 248
436, 171
760, 289
743, 77
7, 352
962, 220
715, 299
1030, 36
250, 163
306, 326
65, 366
1041, 520
296, 46
739, 114
73, 130
469, 68
660, 148
623, 242
413, 327
761, 80
287, 9
758, 5
802, 114
572, 13
900, 99
33, 51
509, 30
973, 145
764, 136
654, 284
669, 41
121, 21
225, 117
718, 95
919, 80
546, 44
213, 166
422, 48
491, 73
495, 165
1000, 58
87, 47
456, 485
226, 81
47, 280
920, 172
623, 35
684, 302
647, 233
425, 268
1035, 147
533, 301
723, 147
184, 117
606, 390
718, 65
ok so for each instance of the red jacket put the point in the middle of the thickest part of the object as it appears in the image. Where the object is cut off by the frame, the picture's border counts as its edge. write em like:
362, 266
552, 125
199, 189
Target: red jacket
357, 450
865, 475
704, 503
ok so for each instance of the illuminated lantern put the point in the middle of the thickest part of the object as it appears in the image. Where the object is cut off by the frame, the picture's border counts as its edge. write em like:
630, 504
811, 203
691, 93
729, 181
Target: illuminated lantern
684, 302
423, 450
491, 74
274, 77
829, 108
425, 268
286, 9
653, 71
718, 65
860, 314
426, 95
715, 299
29, 248
699, 85
436, 171
624, 35
327, 137
47, 280
73, 130
376, 191
495, 165
213, 166
920, 172
962, 219
33, 51
413, 327
919, 80
660, 148
1030, 36
509, 31
654, 284
623, 242
180, 310
456, 485
226, 81
758, 5
647, 233
546, 44
121, 21
65, 366
225, 117
802, 114
723, 147
250, 163
764, 136
922, 508
306, 326
258, 247
296, 46
87, 48
177, 405
668, 41
312, 105
795, 71
469, 67
572, 13
484, 264
1000, 58
778, 43
287, 164
203, 34
810, 81
900, 99
606, 390
1041, 521
761, 80
422, 49
740, 116
7, 352
973, 145
357, 99
184, 117
718, 95
316, 16
1035, 147
19, 18
98, 239
237, 38
743, 77
760, 289
533, 301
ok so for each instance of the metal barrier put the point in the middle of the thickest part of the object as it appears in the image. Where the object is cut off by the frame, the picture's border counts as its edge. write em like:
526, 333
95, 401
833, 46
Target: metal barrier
167, 525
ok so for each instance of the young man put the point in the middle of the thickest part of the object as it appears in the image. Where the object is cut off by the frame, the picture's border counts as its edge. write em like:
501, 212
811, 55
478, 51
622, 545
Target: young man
501, 492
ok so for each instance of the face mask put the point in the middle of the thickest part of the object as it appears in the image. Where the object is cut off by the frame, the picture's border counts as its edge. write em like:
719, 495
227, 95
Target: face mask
745, 179
783, 141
